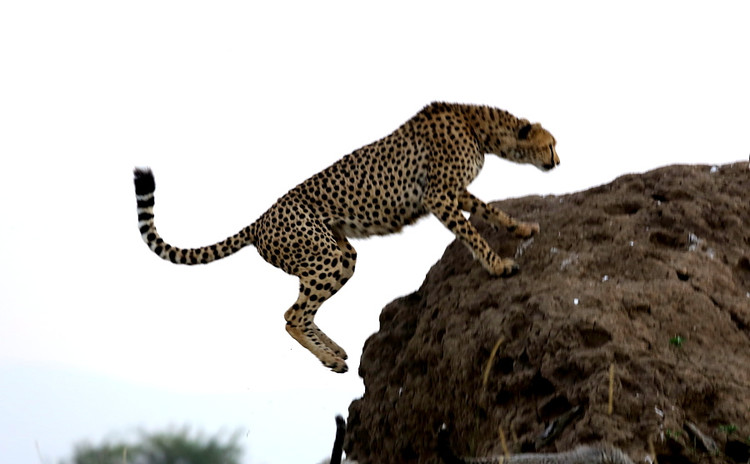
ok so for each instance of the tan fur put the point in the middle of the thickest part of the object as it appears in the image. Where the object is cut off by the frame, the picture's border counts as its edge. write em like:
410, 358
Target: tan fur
422, 167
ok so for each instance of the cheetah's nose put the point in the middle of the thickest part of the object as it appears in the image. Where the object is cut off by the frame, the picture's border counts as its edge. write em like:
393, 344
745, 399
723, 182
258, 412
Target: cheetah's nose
553, 162
550, 165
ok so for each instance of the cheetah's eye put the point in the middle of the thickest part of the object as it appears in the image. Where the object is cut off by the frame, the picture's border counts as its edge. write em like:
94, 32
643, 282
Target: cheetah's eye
523, 134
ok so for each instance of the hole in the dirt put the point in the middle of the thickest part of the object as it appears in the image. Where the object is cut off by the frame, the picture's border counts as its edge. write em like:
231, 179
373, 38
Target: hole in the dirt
504, 365
672, 459
503, 397
659, 197
568, 372
636, 305
683, 276
528, 447
554, 407
595, 337
539, 386
668, 240
598, 237
594, 220
738, 450
744, 263
409, 454
738, 322
627, 207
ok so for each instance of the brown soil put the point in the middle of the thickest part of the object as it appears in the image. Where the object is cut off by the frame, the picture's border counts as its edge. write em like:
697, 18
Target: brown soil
650, 273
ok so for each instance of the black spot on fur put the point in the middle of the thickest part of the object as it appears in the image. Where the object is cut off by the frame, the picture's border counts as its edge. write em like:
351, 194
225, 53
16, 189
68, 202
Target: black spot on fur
523, 134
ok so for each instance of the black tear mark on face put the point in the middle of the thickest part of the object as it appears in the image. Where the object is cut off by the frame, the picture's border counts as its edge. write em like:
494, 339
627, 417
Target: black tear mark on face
551, 164
523, 134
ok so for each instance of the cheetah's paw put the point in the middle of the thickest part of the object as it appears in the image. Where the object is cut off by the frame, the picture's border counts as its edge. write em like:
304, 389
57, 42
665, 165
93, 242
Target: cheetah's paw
330, 344
333, 346
337, 365
505, 267
341, 354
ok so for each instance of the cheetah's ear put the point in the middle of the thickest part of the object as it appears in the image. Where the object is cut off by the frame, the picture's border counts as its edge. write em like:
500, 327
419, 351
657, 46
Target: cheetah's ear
523, 133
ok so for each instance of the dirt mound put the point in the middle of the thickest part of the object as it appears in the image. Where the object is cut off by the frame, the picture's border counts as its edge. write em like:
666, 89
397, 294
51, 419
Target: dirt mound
650, 274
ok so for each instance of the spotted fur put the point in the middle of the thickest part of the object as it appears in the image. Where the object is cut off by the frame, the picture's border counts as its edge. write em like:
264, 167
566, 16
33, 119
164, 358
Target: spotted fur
422, 167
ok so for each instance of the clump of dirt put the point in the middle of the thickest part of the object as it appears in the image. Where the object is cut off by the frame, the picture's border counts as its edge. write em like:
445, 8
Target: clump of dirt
649, 274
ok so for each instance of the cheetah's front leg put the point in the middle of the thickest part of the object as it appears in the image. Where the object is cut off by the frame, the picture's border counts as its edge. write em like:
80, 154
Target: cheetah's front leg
497, 217
444, 204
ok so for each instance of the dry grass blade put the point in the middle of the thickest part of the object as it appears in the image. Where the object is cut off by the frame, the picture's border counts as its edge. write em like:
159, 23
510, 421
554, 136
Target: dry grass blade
610, 407
487, 368
503, 443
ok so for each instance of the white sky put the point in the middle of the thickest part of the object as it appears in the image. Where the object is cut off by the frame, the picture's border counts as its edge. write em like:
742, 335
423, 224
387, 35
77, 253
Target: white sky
232, 104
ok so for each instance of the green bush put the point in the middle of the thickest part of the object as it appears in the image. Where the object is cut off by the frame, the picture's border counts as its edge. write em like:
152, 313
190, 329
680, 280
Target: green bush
172, 447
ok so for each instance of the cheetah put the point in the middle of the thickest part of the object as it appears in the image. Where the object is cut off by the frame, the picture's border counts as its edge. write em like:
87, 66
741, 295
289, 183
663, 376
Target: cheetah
423, 167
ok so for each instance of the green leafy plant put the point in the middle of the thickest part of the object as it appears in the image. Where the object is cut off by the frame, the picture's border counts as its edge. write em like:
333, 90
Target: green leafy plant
728, 428
677, 341
172, 446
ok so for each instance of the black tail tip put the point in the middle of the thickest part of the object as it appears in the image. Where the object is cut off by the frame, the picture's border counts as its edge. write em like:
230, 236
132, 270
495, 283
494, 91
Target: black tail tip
144, 181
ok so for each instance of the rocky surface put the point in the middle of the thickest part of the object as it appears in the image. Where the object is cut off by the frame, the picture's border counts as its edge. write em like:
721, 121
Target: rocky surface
649, 274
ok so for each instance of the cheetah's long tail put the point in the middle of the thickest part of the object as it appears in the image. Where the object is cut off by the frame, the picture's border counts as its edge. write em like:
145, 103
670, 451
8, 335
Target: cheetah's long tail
144, 194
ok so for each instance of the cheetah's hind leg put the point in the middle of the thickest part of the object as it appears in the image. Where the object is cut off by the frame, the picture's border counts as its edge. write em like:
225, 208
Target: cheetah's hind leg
323, 275
300, 325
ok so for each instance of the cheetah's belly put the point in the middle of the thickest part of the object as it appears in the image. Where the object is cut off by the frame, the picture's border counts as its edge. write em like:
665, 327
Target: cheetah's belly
383, 215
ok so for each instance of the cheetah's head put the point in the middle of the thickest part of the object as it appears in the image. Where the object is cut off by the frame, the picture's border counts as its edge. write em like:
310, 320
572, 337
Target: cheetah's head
531, 144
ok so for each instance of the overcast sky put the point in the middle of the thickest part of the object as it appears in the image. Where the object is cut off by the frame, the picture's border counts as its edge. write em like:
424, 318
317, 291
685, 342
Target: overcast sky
232, 104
